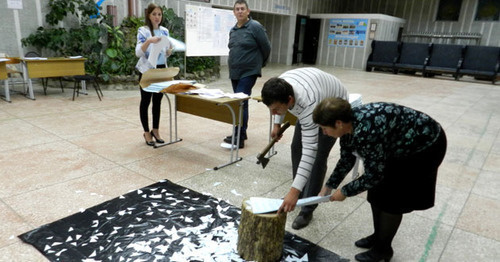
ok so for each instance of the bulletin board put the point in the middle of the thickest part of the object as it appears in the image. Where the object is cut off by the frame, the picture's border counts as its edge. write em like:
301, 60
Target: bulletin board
347, 32
207, 30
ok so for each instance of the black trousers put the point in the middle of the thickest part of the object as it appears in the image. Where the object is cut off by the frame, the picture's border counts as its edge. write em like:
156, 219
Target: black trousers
146, 98
315, 182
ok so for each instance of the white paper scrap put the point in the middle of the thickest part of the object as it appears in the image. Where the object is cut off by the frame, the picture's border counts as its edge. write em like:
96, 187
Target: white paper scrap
236, 193
156, 49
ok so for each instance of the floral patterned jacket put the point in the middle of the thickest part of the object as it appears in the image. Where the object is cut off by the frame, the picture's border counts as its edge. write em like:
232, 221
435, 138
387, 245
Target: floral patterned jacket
381, 131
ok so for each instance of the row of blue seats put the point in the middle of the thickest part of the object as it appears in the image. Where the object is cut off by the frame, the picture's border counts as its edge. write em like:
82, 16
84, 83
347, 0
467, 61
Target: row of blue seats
482, 62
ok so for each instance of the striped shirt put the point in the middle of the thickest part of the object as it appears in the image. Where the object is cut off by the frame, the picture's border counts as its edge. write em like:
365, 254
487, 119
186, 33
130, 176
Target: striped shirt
310, 86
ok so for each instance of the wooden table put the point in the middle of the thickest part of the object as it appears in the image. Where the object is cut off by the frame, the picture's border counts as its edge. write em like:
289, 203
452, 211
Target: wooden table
51, 67
227, 110
4, 76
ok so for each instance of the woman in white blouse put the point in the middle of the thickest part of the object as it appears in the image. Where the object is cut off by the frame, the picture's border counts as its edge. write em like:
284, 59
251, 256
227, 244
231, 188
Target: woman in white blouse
147, 35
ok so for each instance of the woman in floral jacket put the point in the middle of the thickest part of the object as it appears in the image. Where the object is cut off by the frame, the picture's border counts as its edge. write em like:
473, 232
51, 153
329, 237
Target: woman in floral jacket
401, 149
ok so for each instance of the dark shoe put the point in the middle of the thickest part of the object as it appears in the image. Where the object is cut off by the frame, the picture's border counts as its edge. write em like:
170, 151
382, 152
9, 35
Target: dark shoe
158, 140
374, 255
231, 136
302, 220
367, 242
242, 143
149, 143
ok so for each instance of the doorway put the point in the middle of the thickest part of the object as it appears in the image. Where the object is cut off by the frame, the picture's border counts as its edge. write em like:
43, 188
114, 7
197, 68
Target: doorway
305, 45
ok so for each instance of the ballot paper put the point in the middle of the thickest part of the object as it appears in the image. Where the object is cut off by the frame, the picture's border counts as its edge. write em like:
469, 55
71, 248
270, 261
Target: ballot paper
215, 93
179, 46
262, 205
156, 49
35, 58
207, 93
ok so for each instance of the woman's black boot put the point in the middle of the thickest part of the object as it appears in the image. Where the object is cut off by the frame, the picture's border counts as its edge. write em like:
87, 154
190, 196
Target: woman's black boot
375, 255
367, 242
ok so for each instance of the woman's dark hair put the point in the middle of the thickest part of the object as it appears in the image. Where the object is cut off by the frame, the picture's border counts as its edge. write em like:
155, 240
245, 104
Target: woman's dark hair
332, 109
149, 10
276, 90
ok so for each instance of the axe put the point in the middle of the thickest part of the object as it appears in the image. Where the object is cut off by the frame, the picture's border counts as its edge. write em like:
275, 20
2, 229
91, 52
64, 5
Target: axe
261, 159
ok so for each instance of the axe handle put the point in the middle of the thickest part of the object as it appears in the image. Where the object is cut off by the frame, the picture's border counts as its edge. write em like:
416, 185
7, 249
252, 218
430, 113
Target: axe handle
280, 132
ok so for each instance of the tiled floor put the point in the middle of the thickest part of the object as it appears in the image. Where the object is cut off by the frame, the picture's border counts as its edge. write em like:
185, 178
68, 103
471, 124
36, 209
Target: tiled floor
60, 156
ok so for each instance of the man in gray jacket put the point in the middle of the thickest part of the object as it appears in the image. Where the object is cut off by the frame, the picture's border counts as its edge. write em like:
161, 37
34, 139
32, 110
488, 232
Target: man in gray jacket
249, 49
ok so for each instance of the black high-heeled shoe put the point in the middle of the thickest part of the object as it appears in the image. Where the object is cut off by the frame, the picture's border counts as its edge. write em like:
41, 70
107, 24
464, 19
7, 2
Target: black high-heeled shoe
158, 140
149, 143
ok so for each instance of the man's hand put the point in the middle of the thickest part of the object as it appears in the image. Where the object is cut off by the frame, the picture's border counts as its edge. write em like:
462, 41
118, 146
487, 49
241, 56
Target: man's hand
275, 131
290, 201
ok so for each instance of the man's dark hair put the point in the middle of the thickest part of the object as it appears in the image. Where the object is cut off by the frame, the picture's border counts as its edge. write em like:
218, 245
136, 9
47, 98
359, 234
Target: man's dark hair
240, 2
276, 90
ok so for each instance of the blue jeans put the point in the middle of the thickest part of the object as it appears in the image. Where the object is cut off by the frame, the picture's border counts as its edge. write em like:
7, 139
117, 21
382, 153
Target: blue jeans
244, 85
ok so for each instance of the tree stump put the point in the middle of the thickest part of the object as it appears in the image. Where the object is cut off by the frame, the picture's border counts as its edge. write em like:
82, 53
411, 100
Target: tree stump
260, 236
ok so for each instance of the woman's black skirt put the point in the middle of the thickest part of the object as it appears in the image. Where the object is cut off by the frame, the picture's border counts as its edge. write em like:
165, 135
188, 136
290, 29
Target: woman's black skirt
410, 183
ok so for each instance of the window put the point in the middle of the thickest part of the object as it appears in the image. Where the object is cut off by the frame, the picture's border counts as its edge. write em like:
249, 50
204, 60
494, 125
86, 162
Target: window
488, 10
449, 10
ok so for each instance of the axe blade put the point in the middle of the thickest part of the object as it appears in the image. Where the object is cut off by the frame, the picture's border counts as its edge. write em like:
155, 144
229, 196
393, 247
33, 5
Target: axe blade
264, 162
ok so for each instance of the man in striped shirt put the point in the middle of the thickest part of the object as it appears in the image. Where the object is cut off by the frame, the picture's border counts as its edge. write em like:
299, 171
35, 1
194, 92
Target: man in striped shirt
298, 91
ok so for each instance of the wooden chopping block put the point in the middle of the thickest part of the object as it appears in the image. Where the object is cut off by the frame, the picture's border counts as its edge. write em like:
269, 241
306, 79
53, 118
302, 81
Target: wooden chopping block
260, 236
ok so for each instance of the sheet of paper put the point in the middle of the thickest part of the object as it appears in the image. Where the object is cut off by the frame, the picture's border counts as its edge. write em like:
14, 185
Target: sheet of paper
35, 58
312, 200
262, 205
156, 49
178, 46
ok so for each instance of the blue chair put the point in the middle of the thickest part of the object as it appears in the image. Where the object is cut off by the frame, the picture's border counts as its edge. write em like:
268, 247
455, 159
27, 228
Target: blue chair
384, 55
413, 57
482, 62
445, 59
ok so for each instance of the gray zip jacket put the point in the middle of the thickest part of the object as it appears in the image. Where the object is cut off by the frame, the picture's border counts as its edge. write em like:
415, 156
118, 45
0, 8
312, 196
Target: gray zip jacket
249, 49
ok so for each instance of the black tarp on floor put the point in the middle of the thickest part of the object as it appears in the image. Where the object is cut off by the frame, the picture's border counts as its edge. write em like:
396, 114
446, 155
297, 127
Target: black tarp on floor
161, 222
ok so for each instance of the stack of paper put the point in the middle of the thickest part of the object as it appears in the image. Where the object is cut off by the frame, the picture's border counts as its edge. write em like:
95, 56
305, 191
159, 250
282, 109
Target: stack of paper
35, 58
157, 87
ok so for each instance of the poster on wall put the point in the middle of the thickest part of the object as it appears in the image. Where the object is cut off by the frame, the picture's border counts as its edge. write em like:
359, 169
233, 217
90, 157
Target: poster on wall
207, 31
347, 32
15, 4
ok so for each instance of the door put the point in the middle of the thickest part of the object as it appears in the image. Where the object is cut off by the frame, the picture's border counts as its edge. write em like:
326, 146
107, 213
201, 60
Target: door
298, 43
311, 41
305, 45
